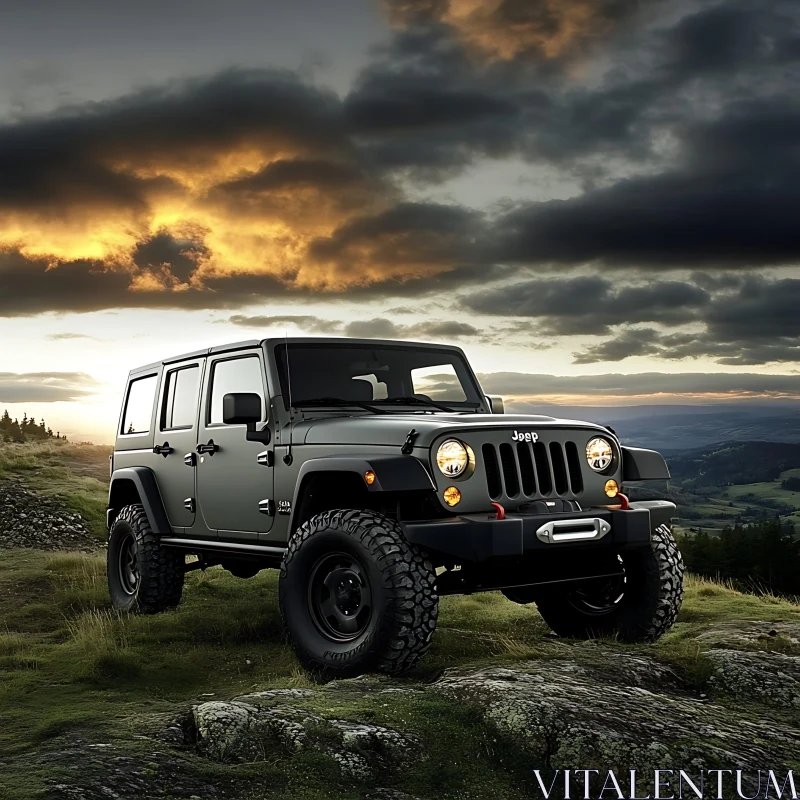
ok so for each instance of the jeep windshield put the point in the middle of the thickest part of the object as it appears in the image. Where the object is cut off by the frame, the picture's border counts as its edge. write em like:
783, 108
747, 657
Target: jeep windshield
330, 374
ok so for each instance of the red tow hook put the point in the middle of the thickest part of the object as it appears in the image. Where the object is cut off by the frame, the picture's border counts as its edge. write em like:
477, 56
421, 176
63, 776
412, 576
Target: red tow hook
501, 512
624, 503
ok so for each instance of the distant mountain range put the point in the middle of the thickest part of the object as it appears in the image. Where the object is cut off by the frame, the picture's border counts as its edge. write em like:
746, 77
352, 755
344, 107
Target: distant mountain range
672, 428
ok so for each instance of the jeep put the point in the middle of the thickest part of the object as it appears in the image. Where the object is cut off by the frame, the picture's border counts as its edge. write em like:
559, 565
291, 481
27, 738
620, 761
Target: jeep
377, 476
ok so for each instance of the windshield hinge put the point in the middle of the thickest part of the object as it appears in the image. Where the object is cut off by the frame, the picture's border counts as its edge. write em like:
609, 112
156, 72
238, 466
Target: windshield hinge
408, 445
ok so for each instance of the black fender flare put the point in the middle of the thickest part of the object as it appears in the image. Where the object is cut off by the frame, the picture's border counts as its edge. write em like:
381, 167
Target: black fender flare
399, 473
144, 479
639, 464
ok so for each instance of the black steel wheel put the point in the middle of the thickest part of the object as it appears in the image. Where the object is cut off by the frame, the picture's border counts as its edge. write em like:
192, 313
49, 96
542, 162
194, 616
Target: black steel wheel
639, 605
127, 565
340, 597
143, 576
356, 596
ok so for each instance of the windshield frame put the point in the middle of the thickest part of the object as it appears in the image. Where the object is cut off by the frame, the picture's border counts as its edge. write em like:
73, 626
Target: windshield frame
475, 400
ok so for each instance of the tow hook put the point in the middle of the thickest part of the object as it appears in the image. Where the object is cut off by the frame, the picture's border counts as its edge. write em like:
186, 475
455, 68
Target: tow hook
501, 512
624, 503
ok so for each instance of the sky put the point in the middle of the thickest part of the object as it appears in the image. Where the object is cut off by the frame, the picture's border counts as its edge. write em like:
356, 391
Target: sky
597, 199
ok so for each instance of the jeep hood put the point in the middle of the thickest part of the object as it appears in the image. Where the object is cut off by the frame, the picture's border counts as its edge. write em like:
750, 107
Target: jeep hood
392, 429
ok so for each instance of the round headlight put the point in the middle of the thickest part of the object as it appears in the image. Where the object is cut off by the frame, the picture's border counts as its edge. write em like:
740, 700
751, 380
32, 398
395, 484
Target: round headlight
599, 454
452, 458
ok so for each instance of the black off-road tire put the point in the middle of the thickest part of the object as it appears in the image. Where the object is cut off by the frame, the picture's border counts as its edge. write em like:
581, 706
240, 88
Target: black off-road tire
653, 593
159, 571
400, 581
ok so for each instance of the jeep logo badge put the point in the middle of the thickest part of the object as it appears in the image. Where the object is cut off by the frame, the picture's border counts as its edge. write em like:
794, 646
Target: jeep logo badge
519, 436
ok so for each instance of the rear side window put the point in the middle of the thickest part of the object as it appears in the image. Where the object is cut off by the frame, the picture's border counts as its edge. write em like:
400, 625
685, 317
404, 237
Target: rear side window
234, 375
180, 398
139, 405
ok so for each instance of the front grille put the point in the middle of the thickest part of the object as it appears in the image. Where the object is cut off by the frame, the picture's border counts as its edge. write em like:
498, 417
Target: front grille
532, 469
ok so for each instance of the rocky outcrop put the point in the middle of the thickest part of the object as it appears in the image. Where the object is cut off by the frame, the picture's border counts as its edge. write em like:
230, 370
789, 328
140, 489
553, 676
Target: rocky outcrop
769, 678
245, 732
28, 519
585, 704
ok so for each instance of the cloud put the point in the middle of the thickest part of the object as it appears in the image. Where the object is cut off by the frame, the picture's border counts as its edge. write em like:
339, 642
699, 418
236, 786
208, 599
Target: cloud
750, 321
377, 328
590, 304
599, 389
45, 387
57, 337
518, 29
190, 188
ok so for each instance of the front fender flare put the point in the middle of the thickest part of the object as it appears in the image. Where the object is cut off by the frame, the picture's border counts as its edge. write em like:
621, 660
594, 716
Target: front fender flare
392, 473
144, 479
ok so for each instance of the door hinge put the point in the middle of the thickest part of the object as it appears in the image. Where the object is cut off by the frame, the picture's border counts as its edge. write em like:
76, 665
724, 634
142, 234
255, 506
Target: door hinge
190, 459
188, 504
266, 507
266, 459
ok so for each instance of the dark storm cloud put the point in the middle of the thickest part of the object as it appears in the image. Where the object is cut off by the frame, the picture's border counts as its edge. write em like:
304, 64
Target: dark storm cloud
75, 156
591, 305
45, 387
758, 323
641, 384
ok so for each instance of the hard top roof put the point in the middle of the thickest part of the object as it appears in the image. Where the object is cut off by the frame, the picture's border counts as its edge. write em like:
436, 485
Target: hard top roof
277, 340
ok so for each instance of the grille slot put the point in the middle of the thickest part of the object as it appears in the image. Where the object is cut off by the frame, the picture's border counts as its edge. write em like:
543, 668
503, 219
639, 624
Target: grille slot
574, 465
509, 464
493, 485
542, 468
559, 468
526, 471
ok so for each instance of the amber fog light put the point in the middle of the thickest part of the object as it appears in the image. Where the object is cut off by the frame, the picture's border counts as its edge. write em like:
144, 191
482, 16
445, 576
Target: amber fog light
612, 488
451, 496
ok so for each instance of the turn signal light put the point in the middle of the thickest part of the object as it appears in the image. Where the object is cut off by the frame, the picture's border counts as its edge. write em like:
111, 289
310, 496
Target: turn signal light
369, 477
451, 496
612, 488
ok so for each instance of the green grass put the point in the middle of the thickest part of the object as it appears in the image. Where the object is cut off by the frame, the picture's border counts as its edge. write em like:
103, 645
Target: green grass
76, 473
68, 662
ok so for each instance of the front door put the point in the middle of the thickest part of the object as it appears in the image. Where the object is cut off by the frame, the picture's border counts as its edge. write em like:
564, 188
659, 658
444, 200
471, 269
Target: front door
230, 481
175, 439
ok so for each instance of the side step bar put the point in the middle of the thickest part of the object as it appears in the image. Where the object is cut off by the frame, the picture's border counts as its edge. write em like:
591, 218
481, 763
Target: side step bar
233, 547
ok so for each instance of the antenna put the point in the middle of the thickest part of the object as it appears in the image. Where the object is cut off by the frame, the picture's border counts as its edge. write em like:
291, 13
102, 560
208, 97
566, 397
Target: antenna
287, 459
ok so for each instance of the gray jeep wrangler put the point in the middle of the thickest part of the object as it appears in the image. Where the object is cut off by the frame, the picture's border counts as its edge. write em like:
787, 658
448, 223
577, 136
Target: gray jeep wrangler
377, 476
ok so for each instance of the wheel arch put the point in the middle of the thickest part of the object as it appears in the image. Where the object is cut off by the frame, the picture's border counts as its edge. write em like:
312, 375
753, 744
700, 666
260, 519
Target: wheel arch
137, 485
336, 482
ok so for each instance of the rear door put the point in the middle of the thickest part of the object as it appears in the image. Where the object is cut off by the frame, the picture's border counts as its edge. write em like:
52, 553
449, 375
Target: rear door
230, 481
176, 438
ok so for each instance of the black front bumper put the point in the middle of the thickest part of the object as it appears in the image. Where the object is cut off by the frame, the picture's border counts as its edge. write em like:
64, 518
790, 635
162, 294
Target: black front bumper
476, 538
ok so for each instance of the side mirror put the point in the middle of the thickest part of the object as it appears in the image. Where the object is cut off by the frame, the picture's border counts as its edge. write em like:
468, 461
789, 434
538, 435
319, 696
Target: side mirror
244, 408
496, 404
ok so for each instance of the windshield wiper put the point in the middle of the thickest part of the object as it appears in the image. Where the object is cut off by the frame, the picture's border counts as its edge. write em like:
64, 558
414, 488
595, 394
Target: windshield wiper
337, 401
415, 401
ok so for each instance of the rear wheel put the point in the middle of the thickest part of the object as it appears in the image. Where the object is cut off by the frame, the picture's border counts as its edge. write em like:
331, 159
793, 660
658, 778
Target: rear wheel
639, 605
143, 576
356, 596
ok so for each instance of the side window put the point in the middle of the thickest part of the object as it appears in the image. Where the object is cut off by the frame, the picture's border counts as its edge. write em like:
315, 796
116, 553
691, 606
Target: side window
180, 398
139, 405
234, 375
438, 383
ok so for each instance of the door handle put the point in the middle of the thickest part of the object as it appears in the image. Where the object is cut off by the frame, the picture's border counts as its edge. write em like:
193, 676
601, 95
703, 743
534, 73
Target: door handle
209, 448
163, 449
190, 459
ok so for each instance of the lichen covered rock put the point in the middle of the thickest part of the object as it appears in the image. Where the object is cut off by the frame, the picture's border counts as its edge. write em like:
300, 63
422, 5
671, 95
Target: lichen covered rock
770, 678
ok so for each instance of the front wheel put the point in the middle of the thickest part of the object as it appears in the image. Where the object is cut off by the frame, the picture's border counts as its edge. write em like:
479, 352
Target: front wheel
356, 596
639, 605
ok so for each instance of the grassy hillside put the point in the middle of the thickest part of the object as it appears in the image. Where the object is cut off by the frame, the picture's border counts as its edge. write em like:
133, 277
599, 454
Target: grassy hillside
76, 473
71, 668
